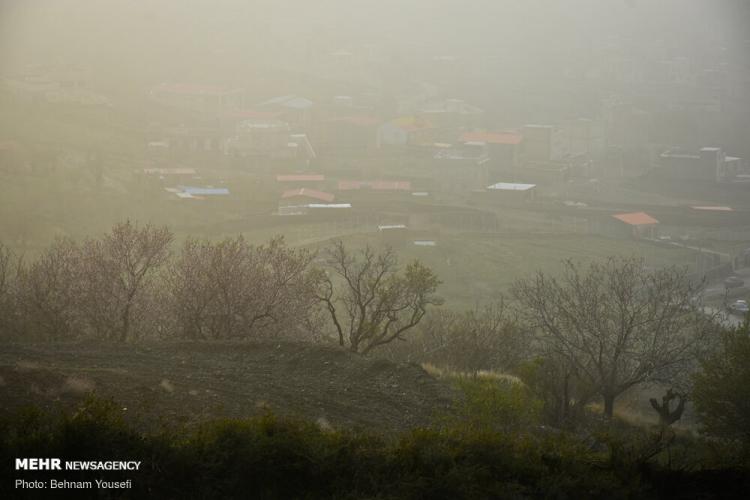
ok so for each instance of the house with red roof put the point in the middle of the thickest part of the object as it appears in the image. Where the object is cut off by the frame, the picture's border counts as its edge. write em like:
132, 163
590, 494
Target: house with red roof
503, 149
634, 224
306, 201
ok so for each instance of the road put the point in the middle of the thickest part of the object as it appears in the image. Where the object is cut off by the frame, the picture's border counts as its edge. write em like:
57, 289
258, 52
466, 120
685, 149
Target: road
715, 294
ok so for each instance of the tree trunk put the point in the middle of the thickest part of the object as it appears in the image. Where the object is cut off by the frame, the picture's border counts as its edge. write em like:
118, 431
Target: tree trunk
609, 405
125, 324
566, 399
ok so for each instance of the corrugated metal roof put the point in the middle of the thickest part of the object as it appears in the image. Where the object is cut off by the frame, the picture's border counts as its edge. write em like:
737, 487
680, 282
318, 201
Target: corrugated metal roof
636, 219
204, 191
511, 186
715, 209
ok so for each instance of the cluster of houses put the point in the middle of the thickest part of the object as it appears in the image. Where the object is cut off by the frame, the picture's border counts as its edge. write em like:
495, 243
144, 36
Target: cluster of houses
327, 158
441, 144
341, 153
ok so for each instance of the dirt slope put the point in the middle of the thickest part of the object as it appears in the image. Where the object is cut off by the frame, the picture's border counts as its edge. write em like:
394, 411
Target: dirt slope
192, 381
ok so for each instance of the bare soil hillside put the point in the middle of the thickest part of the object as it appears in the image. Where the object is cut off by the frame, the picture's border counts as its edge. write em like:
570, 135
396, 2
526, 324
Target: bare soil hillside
190, 382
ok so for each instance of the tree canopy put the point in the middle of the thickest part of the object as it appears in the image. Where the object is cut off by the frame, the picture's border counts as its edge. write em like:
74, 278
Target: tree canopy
370, 299
617, 323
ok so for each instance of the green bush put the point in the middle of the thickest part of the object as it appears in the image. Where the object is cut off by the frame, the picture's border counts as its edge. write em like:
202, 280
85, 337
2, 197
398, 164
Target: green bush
721, 391
496, 403
269, 457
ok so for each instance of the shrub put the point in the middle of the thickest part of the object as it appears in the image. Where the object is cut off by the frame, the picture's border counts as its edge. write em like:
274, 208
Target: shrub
271, 457
722, 390
496, 403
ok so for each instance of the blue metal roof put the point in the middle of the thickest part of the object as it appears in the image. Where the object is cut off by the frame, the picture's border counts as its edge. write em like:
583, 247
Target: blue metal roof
204, 191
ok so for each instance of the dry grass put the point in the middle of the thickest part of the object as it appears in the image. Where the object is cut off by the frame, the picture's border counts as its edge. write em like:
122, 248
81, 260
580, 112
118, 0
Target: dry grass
445, 373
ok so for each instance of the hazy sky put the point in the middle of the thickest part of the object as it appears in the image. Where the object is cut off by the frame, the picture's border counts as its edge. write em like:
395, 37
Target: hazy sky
146, 32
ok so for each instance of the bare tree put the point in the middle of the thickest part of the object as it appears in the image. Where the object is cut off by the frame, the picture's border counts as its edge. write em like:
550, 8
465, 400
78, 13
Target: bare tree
8, 272
49, 289
486, 337
118, 271
556, 382
371, 302
616, 323
233, 289
193, 287
287, 288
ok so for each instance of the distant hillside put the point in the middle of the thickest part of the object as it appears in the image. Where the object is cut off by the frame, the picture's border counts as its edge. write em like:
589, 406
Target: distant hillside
193, 381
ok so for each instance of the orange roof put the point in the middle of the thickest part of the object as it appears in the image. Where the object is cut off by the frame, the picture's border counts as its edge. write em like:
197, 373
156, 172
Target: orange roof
309, 193
636, 219
510, 138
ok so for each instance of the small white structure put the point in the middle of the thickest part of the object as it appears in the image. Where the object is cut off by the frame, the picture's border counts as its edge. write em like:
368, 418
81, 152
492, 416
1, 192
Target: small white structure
513, 190
511, 186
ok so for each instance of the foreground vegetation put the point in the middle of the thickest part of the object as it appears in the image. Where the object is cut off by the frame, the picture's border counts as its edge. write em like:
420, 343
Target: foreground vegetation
588, 334
269, 457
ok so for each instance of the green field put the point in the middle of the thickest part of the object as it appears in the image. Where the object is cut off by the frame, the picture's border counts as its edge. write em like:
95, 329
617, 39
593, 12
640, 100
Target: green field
476, 267
63, 190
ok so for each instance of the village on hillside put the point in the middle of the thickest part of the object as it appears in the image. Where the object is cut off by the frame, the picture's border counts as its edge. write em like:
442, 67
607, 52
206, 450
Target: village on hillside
639, 150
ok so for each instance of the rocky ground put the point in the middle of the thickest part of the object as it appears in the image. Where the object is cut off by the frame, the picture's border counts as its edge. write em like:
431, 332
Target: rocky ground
189, 382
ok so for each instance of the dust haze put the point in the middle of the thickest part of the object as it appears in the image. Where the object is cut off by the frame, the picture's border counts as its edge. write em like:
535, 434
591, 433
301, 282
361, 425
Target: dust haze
503, 221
